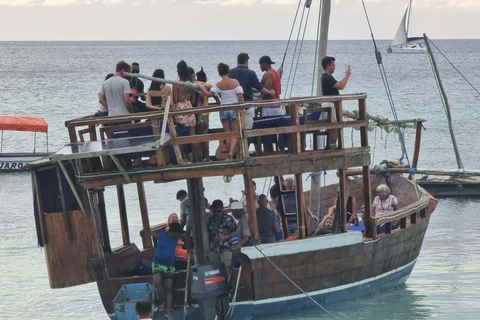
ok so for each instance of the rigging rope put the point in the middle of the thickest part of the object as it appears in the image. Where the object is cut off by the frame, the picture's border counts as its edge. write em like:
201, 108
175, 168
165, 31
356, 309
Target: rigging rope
292, 282
471, 85
280, 70
383, 74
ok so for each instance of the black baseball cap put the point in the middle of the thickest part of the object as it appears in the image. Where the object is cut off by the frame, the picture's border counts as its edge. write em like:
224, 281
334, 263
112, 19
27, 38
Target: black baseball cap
266, 59
216, 205
175, 227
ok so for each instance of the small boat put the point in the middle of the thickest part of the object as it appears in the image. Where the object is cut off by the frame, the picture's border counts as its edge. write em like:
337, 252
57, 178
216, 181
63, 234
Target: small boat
402, 43
19, 161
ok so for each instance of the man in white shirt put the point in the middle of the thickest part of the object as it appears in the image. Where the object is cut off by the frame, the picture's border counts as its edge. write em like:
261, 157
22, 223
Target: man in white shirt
115, 92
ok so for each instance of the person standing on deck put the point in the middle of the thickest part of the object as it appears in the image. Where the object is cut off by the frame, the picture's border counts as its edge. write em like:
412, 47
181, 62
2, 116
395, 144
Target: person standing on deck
163, 264
248, 80
243, 230
331, 87
137, 87
267, 221
116, 91
270, 81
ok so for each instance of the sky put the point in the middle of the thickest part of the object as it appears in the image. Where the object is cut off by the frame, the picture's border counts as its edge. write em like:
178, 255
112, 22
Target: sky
226, 19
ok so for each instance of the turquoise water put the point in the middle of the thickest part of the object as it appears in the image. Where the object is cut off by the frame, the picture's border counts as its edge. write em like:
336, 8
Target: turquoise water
60, 81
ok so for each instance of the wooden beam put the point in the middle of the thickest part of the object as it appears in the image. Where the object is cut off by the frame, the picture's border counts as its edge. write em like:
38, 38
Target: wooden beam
176, 147
146, 236
344, 197
197, 205
418, 138
251, 207
41, 217
203, 138
103, 219
281, 207
64, 205
300, 198
121, 168
122, 207
72, 186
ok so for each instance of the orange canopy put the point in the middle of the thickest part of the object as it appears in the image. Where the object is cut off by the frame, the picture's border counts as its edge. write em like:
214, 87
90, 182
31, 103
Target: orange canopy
15, 123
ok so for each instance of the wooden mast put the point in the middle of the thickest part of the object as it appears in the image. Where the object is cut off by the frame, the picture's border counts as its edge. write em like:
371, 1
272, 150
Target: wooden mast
199, 216
322, 52
447, 106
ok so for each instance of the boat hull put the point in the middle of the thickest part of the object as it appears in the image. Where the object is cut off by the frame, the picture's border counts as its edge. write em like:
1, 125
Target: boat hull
407, 49
455, 188
18, 162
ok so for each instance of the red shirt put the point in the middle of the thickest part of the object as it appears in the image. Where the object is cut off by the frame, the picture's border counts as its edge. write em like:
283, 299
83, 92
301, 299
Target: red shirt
277, 86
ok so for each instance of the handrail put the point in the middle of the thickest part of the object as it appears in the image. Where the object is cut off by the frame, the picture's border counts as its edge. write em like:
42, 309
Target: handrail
404, 212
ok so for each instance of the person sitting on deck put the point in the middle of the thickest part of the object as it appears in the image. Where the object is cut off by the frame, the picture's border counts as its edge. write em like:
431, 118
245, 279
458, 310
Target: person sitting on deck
158, 92
143, 310
290, 206
182, 99
351, 211
267, 221
325, 227
221, 229
163, 264
230, 91
384, 203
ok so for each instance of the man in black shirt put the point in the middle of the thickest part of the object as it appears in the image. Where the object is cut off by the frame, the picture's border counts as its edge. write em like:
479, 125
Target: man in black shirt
331, 87
248, 79
137, 88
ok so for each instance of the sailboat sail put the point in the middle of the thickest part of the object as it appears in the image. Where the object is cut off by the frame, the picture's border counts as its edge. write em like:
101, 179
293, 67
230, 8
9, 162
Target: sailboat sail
401, 35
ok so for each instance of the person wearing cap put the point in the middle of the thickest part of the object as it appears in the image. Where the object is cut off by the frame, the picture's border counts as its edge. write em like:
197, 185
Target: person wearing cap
163, 263
243, 230
248, 80
270, 81
221, 229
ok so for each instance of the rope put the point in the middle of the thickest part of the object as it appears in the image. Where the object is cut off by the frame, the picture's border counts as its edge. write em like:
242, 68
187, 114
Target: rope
234, 299
383, 74
292, 282
290, 37
299, 51
471, 85
294, 51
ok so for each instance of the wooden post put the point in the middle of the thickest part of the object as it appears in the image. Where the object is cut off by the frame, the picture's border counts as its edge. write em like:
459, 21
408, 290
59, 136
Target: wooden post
103, 220
281, 207
251, 206
173, 133
300, 197
243, 126
41, 217
339, 113
370, 227
64, 206
146, 236
344, 199
160, 152
418, 138
197, 205
122, 207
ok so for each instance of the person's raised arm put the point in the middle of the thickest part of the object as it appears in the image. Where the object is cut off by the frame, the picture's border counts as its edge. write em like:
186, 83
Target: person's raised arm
340, 85
102, 100
205, 92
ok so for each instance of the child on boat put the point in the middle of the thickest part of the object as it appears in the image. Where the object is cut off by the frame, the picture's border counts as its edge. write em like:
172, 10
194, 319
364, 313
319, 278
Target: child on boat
163, 262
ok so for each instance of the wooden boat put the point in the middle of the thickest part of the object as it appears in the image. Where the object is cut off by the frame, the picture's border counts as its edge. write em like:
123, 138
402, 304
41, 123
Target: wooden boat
18, 161
71, 212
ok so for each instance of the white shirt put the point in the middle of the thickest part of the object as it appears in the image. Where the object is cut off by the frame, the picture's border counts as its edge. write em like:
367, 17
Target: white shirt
384, 207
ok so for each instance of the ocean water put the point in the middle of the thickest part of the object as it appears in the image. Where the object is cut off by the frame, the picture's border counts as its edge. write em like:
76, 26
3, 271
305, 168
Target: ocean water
61, 80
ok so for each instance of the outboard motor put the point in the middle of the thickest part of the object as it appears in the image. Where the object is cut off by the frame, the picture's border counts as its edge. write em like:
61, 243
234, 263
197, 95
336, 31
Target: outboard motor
209, 286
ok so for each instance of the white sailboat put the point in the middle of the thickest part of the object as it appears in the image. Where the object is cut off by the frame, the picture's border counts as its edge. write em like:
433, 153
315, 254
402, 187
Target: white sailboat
402, 43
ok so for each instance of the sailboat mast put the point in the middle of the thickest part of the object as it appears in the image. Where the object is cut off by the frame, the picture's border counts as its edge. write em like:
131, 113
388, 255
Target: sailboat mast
322, 52
447, 105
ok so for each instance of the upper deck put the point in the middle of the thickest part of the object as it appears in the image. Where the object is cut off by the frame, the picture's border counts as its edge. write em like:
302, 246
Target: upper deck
102, 144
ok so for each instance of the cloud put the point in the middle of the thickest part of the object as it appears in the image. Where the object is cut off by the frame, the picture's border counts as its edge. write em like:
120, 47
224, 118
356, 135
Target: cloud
58, 3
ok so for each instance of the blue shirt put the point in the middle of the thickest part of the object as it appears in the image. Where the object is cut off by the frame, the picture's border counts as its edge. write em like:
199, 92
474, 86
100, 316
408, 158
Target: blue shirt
248, 79
165, 250
328, 81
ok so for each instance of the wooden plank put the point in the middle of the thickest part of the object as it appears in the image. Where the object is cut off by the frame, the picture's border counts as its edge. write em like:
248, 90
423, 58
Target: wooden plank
196, 196
304, 128
251, 207
64, 206
146, 237
203, 138
121, 168
300, 198
122, 207
339, 114
344, 198
244, 142
41, 216
418, 138
103, 219
176, 147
